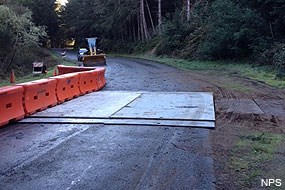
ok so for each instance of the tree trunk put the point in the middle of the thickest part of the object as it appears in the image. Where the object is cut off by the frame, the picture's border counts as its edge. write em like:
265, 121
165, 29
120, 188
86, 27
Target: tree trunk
6, 62
188, 10
134, 30
159, 16
139, 24
122, 35
143, 21
271, 30
150, 17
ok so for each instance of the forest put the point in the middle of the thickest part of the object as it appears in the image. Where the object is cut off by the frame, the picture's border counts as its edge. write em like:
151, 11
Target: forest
239, 30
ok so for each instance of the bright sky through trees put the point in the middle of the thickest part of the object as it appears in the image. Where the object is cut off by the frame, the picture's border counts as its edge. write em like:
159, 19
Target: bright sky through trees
63, 2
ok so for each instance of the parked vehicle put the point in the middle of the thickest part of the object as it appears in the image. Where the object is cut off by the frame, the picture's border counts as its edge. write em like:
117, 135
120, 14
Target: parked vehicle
80, 53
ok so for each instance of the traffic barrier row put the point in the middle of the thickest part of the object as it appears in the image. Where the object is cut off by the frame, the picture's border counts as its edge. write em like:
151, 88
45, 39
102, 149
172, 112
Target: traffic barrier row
24, 99
62, 69
39, 95
67, 86
89, 81
101, 77
11, 106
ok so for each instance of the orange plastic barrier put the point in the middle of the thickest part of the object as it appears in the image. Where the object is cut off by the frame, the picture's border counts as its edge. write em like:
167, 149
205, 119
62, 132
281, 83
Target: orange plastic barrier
88, 81
101, 77
67, 86
11, 104
62, 69
39, 95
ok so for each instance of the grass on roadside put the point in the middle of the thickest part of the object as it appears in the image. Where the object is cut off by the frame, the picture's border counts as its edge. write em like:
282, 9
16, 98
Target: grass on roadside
237, 87
260, 73
250, 153
31, 77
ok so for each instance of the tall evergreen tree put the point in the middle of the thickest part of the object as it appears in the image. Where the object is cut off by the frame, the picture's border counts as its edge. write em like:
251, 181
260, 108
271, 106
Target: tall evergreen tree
44, 14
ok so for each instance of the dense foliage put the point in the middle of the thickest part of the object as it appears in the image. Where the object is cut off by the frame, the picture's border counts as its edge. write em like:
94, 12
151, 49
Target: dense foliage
45, 14
18, 35
209, 29
192, 29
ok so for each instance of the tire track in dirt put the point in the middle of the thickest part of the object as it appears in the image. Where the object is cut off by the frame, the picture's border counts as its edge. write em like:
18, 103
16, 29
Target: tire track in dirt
261, 106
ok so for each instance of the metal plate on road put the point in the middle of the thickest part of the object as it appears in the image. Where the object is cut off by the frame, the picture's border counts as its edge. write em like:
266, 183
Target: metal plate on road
143, 122
176, 109
190, 105
98, 104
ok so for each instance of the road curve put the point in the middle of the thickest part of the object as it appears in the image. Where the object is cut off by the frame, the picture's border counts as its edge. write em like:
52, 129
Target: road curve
42, 156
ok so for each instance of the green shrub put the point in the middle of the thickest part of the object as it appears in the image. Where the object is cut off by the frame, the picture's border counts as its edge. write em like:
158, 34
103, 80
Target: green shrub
232, 32
18, 37
174, 32
279, 61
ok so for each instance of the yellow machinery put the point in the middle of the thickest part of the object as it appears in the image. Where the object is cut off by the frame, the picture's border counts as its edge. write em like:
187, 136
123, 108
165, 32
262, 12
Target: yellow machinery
93, 59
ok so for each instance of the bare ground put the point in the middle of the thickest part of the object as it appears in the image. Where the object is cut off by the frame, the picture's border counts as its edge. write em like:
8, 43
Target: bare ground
245, 109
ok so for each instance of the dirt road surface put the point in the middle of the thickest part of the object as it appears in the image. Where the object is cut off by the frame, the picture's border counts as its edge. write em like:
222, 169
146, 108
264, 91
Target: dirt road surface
54, 156
45, 156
